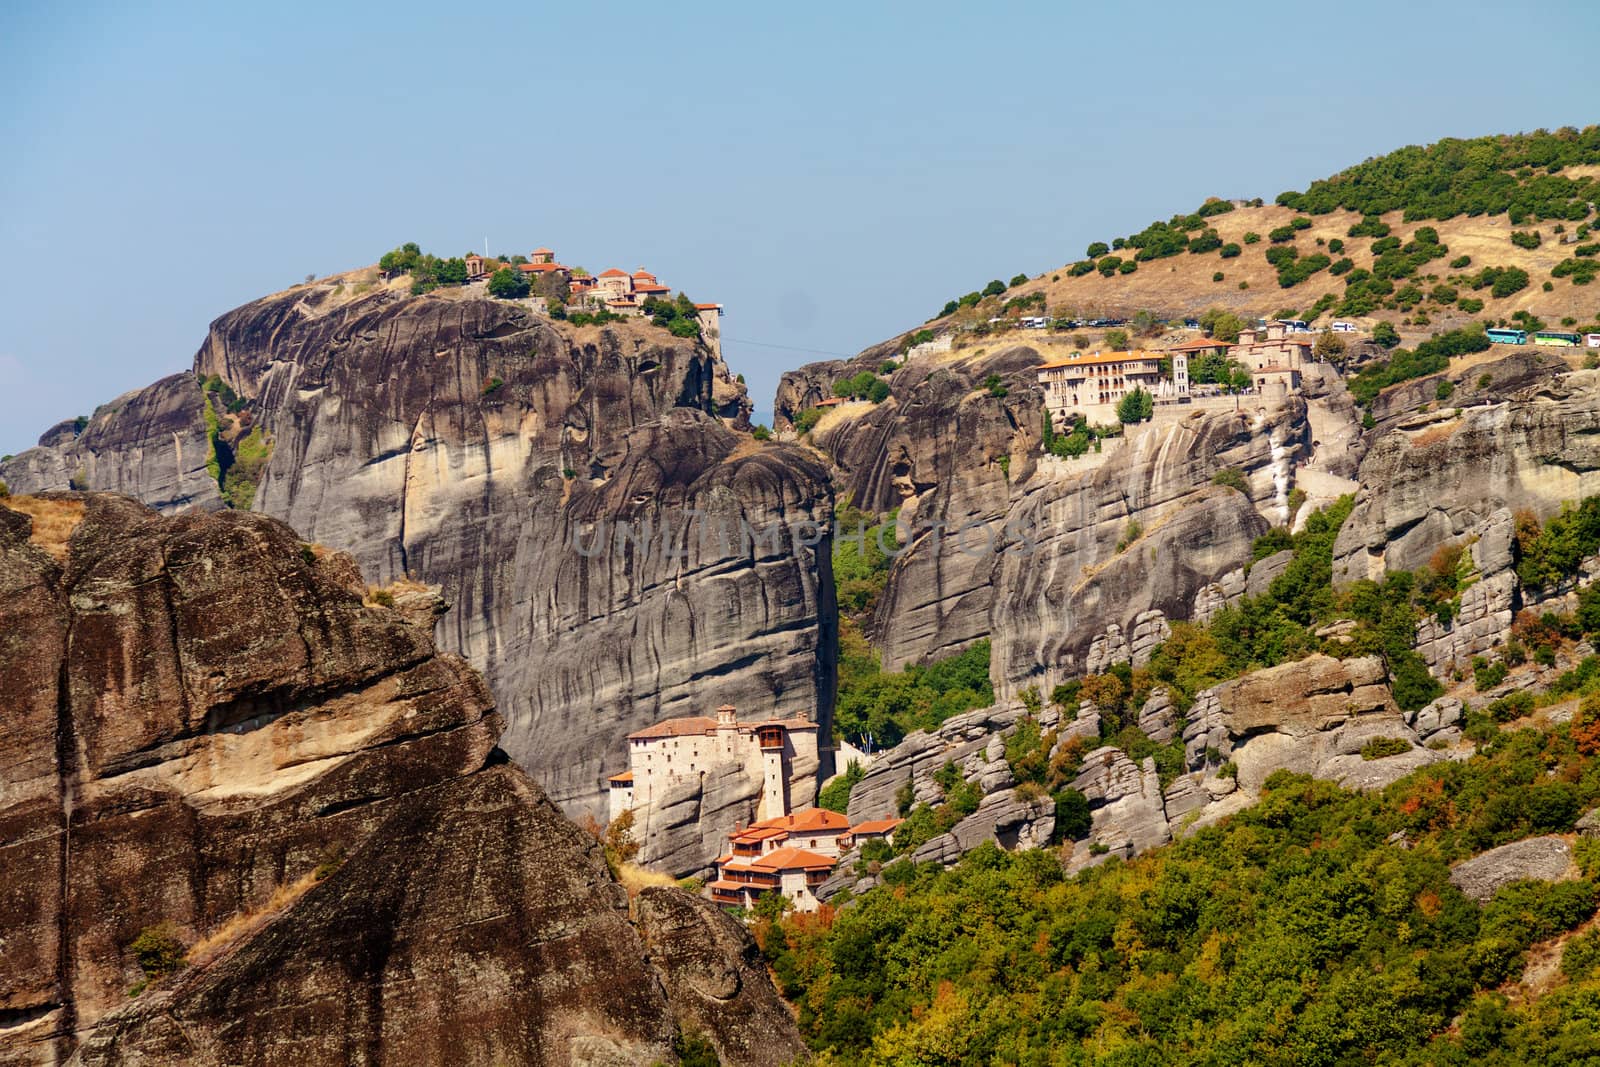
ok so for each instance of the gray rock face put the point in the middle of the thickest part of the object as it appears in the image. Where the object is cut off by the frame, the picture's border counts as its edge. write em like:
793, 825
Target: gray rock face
1434, 477
1544, 859
1004, 818
1487, 607
1052, 604
149, 444
393, 443
934, 451
1126, 807
964, 740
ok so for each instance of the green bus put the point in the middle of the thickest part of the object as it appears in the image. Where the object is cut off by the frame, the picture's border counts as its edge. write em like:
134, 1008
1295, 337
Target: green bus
1557, 339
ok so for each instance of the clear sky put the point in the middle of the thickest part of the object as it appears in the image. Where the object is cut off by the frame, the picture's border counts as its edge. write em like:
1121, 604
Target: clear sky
831, 173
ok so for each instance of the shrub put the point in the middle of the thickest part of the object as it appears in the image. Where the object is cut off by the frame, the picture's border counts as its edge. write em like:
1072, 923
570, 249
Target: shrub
1460, 261
1280, 234
1379, 747
1217, 276
1109, 265
508, 284
1137, 406
1230, 250
1018, 279
1526, 238
1232, 478
1470, 304
835, 796
1336, 246
1443, 390
995, 386
1206, 242
158, 950
807, 420
1385, 334
760, 432
1128, 267
994, 288
1251, 237
1097, 249
1077, 270
1341, 266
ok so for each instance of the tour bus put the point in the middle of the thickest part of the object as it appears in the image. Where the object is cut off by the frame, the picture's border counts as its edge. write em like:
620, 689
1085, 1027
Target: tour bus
1557, 339
1592, 340
1502, 335
1035, 322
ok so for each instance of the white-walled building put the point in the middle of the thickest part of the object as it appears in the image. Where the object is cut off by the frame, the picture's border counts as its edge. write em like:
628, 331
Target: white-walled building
1091, 386
677, 750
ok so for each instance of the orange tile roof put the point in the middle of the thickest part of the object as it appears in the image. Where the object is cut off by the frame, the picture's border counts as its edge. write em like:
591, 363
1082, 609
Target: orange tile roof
830, 402
625, 776
539, 268
642, 273
757, 832
684, 727
789, 859
543, 252
1098, 360
708, 307
876, 826
652, 288
1201, 345
613, 273
810, 820
723, 886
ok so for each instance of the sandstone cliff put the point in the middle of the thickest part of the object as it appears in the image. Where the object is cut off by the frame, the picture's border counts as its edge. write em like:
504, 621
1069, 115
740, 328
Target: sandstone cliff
210, 741
461, 441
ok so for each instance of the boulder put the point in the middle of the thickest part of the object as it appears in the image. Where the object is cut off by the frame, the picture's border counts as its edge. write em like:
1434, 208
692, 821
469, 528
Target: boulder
1543, 859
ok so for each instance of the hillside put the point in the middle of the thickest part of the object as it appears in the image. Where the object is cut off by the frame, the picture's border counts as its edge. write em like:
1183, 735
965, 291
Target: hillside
1475, 197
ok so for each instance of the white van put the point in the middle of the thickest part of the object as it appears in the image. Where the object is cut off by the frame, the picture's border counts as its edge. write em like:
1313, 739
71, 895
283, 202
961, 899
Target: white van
1344, 327
1035, 322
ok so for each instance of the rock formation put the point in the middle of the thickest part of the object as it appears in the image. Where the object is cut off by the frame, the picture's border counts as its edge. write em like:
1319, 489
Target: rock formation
214, 750
574, 492
1433, 477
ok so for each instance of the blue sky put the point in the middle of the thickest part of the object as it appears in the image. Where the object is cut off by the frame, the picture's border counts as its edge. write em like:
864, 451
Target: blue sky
831, 173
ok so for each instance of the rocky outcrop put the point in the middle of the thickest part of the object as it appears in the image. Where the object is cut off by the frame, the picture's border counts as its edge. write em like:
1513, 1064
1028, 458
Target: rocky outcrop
1080, 573
949, 455
576, 493
1433, 477
1488, 605
1009, 820
212, 742
1543, 859
150, 444
716, 980
963, 740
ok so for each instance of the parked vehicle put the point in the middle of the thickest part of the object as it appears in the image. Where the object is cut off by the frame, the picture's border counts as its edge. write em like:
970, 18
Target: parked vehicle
1501, 335
1344, 327
1557, 339
1034, 322
1191, 324
1592, 340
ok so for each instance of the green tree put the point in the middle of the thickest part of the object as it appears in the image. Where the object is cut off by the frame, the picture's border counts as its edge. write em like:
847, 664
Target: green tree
994, 288
508, 284
1137, 406
1385, 334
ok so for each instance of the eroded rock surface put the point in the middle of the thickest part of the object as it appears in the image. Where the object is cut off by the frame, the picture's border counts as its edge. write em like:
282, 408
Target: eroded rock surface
462, 441
209, 735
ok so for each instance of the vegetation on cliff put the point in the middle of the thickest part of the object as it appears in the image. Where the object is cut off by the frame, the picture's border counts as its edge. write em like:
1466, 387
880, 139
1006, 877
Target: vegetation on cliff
1302, 931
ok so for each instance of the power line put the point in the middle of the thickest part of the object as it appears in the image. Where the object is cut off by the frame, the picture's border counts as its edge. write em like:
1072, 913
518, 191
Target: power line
789, 348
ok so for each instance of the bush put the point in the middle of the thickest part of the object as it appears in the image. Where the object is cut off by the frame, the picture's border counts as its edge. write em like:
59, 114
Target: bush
994, 288
1077, 270
1109, 265
1470, 304
1251, 237
1018, 279
835, 796
1232, 478
1217, 276
1137, 406
1443, 390
1380, 747
1460, 261
1280, 234
508, 284
1385, 334
1117, 340
1097, 249
158, 950
1525, 238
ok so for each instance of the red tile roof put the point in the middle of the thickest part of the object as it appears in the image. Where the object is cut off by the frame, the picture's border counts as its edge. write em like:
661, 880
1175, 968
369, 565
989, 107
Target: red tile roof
543, 252
708, 307
642, 273
876, 826
790, 859
684, 727
809, 821
1201, 345
1098, 360
624, 777
613, 273
830, 402
652, 288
